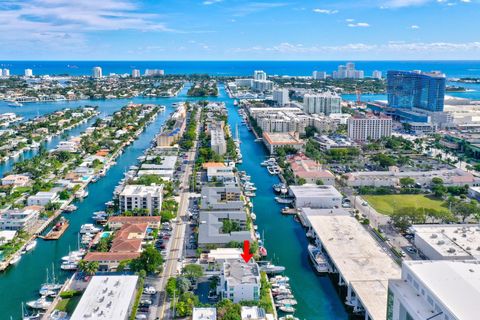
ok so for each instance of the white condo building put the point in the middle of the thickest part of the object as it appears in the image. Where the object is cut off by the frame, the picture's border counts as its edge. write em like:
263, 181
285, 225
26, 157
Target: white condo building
259, 75
376, 74
141, 197
240, 281
217, 141
322, 103
6, 72
369, 126
28, 73
319, 75
97, 72
348, 71
280, 96
135, 73
435, 290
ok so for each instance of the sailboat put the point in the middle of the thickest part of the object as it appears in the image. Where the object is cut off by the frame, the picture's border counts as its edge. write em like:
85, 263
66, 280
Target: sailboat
50, 286
27, 316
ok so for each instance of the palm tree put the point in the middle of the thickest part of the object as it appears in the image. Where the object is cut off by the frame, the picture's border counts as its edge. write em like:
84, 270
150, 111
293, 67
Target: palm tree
89, 268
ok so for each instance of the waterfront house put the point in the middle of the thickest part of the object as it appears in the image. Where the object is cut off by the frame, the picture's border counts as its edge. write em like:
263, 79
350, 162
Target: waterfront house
42, 198
117, 222
16, 180
18, 219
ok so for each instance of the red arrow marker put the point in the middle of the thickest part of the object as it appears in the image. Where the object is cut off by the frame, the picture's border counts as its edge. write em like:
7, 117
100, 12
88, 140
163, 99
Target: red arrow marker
246, 255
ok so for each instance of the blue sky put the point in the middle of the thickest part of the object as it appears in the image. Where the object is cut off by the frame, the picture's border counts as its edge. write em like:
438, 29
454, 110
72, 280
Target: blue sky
239, 30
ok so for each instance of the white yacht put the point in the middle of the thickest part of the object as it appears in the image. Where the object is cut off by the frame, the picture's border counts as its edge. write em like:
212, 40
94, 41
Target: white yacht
40, 303
89, 228
15, 259
318, 259
31, 245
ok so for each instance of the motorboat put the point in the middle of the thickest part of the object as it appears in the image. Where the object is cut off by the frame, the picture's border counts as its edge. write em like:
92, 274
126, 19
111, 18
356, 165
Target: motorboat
28, 316
288, 317
268, 163
271, 170
69, 266
70, 208
31, 245
15, 259
41, 303
47, 293
271, 268
250, 194
283, 189
318, 259
287, 309
287, 302
15, 104
253, 216
263, 252
277, 187
284, 200
284, 296
89, 228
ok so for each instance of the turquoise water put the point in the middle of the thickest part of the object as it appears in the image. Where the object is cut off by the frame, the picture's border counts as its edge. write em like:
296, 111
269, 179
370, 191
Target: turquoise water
284, 238
23, 281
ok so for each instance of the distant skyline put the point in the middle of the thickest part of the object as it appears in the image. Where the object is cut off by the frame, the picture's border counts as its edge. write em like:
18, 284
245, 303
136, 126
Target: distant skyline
239, 30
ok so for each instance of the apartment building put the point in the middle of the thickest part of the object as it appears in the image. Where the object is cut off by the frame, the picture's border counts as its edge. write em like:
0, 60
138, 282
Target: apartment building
141, 197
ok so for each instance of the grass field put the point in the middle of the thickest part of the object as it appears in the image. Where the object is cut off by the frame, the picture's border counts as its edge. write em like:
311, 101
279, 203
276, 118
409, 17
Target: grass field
386, 203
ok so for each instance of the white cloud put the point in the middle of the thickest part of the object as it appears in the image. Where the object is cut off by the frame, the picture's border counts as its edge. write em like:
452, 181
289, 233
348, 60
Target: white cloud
414, 27
399, 47
358, 25
209, 2
405, 3
349, 20
254, 7
325, 11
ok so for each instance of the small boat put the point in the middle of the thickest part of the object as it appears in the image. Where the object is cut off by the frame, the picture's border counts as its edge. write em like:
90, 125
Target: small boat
277, 187
253, 216
70, 208
262, 251
31, 245
318, 259
250, 194
69, 266
89, 228
287, 302
15, 259
284, 200
40, 303
284, 296
287, 309
28, 316
271, 268
310, 234
15, 104
269, 162
47, 293
283, 189
271, 170
288, 317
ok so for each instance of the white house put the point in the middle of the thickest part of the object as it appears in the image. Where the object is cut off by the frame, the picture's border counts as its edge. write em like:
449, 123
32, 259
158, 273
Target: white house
42, 198
240, 281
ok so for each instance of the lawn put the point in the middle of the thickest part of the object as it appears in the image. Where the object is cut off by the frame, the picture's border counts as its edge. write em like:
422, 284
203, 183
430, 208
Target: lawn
386, 203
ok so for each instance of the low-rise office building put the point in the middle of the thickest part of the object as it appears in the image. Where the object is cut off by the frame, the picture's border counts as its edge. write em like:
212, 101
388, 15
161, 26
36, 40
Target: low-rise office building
448, 241
283, 139
316, 196
107, 297
444, 290
141, 197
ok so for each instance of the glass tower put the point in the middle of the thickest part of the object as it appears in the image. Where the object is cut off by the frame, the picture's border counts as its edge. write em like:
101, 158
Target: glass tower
415, 89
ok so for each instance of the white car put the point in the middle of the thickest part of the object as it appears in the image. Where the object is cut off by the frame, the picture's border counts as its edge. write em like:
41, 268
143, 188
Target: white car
141, 316
149, 290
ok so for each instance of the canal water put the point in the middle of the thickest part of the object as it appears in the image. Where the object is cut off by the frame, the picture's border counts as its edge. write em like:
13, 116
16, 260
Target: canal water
21, 282
284, 238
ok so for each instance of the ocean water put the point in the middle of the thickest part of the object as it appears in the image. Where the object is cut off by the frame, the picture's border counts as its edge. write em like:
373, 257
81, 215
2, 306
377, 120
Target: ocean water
238, 68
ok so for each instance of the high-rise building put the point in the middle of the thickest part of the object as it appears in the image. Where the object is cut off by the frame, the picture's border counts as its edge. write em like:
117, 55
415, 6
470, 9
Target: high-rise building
259, 75
416, 90
6, 72
376, 74
97, 72
348, 71
280, 96
363, 127
1, 72
322, 103
436, 290
154, 72
319, 75
28, 73
135, 73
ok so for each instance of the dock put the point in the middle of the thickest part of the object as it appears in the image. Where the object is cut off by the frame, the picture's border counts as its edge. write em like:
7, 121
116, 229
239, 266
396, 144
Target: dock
57, 230
363, 267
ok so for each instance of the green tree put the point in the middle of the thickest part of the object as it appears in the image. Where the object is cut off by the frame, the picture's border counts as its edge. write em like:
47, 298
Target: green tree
407, 181
150, 260
227, 310
192, 271
88, 267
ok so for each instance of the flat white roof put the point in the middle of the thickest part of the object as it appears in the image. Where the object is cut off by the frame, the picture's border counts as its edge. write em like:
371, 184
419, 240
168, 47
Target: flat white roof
451, 240
204, 314
455, 283
359, 259
106, 297
312, 190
